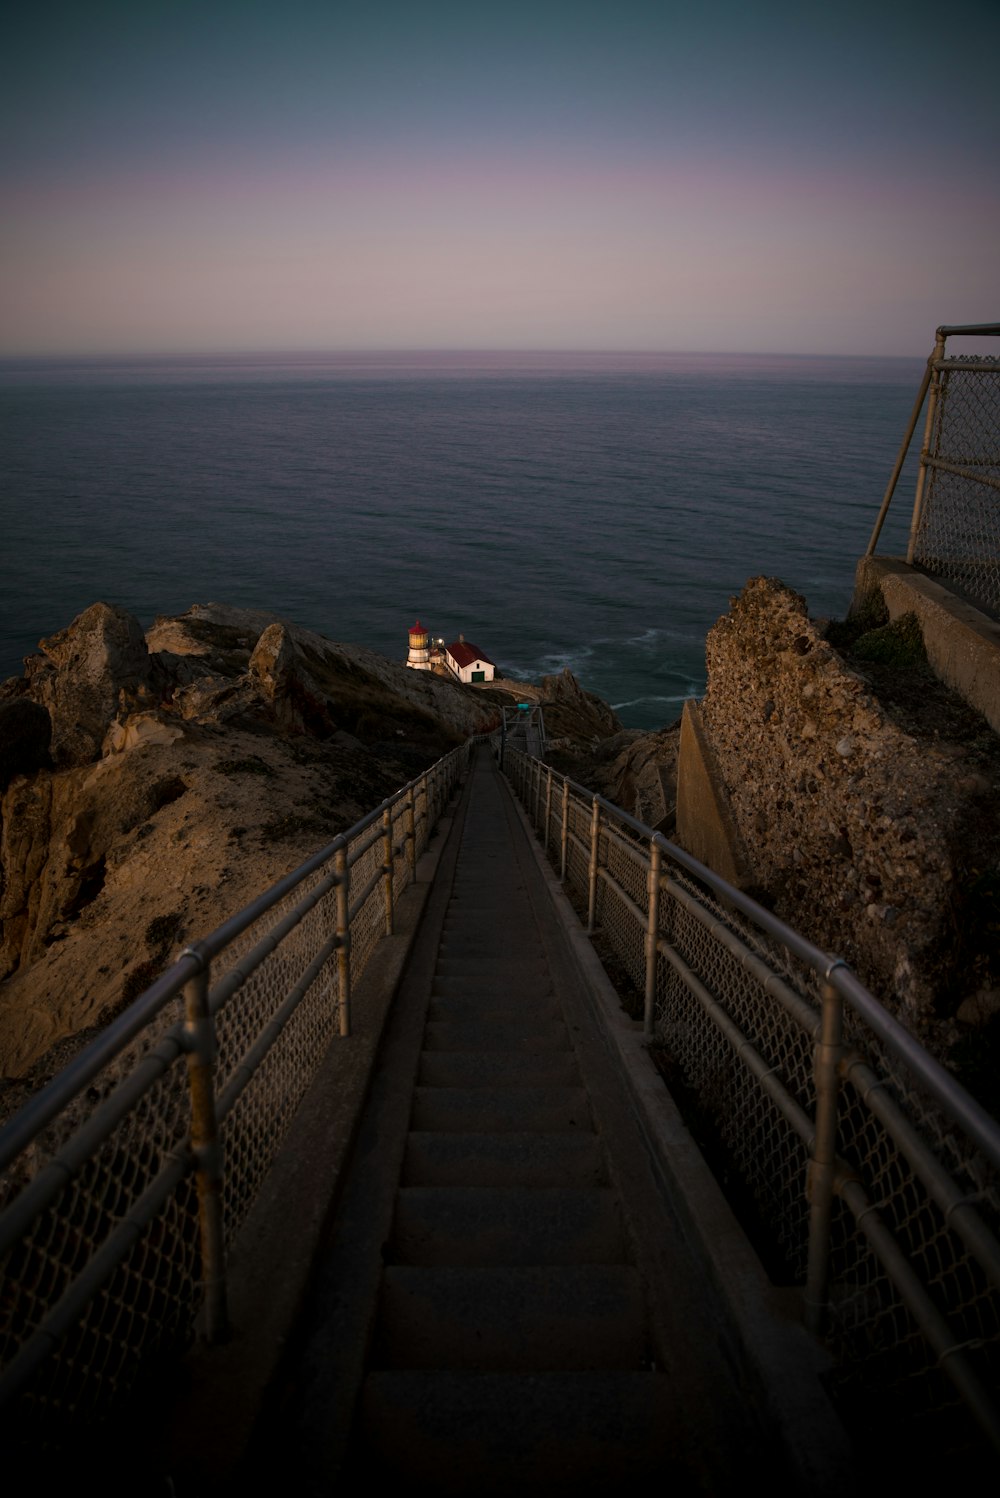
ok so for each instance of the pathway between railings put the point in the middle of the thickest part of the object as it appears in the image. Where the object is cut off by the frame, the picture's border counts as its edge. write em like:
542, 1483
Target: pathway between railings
508, 1299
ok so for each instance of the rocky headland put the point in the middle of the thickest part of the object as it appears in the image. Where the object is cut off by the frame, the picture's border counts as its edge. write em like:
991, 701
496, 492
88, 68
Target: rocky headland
152, 783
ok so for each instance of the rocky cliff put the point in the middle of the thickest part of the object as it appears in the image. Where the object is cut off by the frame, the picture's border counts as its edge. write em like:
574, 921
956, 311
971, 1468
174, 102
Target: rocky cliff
865, 793
152, 784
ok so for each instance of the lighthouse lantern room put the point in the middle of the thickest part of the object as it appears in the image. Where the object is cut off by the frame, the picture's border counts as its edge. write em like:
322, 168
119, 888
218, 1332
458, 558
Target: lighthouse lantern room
420, 656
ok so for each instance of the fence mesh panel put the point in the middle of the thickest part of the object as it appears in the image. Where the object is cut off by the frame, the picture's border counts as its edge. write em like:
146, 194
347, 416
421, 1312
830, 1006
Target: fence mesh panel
958, 534
255, 1126
149, 1302
885, 1368
872, 1332
368, 925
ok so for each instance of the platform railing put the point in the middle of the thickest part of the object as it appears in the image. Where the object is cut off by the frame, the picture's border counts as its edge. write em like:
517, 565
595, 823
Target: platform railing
955, 522
125, 1182
869, 1175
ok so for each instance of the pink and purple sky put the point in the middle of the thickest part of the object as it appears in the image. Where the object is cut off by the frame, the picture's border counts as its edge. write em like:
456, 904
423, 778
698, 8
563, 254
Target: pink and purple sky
240, 175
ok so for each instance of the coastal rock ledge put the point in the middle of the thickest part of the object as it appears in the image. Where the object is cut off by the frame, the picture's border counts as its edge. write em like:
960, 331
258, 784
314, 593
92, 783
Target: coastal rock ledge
152, 784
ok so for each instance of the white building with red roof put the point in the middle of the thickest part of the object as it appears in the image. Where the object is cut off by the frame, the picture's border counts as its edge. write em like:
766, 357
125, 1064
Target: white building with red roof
468, 662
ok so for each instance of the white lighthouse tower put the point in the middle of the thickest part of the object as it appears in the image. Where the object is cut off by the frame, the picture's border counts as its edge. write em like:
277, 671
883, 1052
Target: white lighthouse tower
420, 656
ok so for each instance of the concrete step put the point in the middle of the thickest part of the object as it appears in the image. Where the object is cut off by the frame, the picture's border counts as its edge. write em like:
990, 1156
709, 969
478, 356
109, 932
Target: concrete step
511, 1319
495, 983
498, 1069
511, 905
495, 897
504, 940
501, 1110
507, 1006
503, 1160
527, 1033
475, 969
529, 967
503, 1225
494, 1434
488, 890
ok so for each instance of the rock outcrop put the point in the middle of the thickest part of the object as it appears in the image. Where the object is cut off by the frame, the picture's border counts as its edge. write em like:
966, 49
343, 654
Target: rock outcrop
634, 768
86, 673
867, 824
150, 786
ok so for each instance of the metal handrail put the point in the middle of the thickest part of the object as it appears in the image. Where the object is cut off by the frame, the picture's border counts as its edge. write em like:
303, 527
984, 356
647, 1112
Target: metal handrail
212, 1100
837, 1062
939, 1082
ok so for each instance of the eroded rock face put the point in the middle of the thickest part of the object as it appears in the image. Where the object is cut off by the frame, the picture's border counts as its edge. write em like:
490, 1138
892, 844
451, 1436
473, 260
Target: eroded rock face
853, 827
57, 834
89, 669
278, 669
570, 711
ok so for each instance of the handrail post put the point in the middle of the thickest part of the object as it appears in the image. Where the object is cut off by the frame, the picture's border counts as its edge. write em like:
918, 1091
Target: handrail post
425, 834
820, 1173
343, 937
652, 937
901, 458
206, 1147
595, 843
564, 833
388, 862
548, 809
411, 832
925, 451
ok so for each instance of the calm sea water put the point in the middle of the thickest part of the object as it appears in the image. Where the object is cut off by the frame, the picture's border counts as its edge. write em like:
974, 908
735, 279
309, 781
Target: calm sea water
590, 511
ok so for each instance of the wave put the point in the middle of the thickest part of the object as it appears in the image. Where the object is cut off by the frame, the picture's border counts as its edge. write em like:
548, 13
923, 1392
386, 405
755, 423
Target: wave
641, 701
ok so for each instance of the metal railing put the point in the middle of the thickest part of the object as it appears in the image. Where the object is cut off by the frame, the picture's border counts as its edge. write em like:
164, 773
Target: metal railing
125, 1182
874, 1174
523, 727
955, 527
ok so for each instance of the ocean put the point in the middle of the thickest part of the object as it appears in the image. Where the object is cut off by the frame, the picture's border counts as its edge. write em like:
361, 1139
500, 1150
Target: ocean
594, 511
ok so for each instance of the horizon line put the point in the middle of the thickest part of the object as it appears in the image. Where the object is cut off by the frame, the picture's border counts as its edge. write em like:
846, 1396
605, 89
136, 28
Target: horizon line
430, 350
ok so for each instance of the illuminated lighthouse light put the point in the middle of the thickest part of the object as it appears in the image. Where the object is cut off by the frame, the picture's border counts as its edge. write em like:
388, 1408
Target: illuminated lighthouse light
420, 656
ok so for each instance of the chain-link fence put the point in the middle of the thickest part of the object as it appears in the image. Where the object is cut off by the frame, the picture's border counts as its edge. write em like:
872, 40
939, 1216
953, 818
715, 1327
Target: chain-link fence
872, 1175
955, 529
125, 1182
957, 525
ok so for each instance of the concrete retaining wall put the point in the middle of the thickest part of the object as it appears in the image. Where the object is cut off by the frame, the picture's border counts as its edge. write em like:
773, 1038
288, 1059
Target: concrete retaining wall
962, 644
706, 826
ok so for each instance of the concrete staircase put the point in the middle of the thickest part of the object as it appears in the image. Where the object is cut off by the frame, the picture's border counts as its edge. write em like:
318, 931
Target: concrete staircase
511, 1346
515, 1296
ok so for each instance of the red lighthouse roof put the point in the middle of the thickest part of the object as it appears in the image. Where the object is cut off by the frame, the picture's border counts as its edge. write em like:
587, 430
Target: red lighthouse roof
463, 654
418, 628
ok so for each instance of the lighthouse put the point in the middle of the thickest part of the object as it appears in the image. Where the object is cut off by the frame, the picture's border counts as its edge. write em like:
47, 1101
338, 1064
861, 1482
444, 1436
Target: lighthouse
419, 657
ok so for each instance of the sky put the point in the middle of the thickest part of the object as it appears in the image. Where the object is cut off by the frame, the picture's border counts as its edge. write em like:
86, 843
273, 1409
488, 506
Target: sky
241, 175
